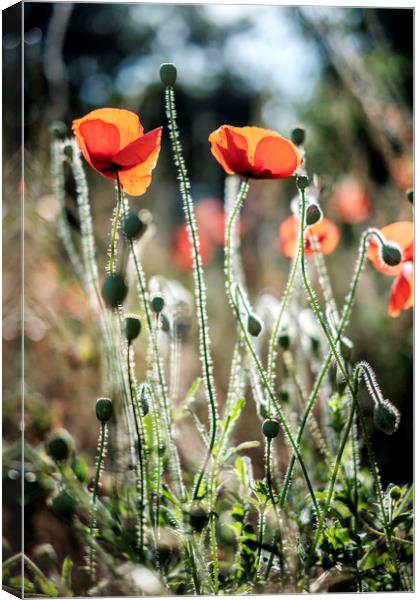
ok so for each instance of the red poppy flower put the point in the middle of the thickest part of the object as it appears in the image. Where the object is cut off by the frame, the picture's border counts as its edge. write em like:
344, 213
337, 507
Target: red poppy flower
112, 140
350, 201
325, 232
254, 152
210, 217
400, 232
402, 289
181, 248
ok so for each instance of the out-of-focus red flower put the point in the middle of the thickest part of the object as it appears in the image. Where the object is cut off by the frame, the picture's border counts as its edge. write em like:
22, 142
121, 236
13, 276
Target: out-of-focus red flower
210, 217
350, 201
254, 152
402, 171
112, 140
402, 290
325, 231
181, 248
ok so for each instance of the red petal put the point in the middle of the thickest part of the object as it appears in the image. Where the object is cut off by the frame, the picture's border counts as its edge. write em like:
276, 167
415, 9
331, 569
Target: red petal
138, 151
101, 141
275, 158
402, 290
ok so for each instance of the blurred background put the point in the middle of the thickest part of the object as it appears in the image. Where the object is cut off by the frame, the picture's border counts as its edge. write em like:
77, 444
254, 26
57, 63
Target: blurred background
344, 74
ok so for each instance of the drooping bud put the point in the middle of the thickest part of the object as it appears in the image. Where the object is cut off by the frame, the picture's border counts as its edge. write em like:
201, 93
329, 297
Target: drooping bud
390, 254
133, 227
114, 290
298, 136
132, 327
59, 445
103, 409
254, 326
168, 74
395, 492
271, 428
386, 417
313, 214
302, 182
157, 303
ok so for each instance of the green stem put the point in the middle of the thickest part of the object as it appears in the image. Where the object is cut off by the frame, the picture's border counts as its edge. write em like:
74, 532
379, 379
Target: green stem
111, 268
263, 378
92, 517
198, 276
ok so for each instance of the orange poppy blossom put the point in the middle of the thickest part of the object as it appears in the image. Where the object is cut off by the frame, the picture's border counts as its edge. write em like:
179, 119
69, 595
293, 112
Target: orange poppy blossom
325, 232
181, 248
350, 201
254, 152
112, 140
402, 289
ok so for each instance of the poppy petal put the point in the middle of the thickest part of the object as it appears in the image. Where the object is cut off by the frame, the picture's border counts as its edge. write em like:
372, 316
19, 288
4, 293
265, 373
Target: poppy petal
140, 150
326, 233
127, 123
230, 149
275, 158
100, 141
402, 290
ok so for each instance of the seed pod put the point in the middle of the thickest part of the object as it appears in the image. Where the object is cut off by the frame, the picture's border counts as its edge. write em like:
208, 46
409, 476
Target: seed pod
254, 326
59, 445
132, 327
386, 417
270, 428
198, 518
58, 130
133, 227
157, 303
302, 182
298, 136
391, 254
168, 74
114, 290
313, 214
103, 409
64, 505
395, 492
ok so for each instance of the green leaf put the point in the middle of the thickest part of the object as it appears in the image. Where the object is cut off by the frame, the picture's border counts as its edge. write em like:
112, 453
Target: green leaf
66, 573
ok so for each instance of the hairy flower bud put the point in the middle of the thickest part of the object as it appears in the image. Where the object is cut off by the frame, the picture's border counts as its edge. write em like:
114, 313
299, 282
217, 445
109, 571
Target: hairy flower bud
395, 492
132, 327
390, 254
59, 445
386, 417
133, 227
302, 182
168, 74
270, 428
254, 326
114, 290
103, 409
313, 214
298, 136
157, 303
283, 340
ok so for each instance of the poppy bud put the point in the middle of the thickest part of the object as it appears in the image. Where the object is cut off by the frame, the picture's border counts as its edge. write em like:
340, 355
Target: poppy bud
59, 445
133, 227
313, 214
103, 409
58, 130
395, 492
298, 136
64, 505
283, 341
144, 401
132, 326
198, 518
410, 196
164, 323
168, 74
270, 428
302, 182
68, 151
386, 417
391, 254
254, 326
157, 303
114, 290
